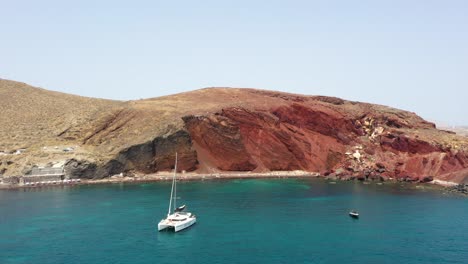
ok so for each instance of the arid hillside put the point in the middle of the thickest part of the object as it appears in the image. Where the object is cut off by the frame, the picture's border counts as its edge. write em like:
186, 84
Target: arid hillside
222, 129
31, 116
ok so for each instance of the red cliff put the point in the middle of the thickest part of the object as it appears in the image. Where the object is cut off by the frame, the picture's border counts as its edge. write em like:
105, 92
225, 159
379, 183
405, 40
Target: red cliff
327, 135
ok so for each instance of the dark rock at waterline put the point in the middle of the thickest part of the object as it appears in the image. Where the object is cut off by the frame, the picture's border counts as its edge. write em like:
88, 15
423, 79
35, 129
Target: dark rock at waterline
426, 179
460, 188
149, 157
157, 155
408, 179
80, 169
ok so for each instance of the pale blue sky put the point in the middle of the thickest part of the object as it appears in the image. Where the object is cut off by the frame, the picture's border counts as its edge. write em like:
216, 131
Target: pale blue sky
406, 54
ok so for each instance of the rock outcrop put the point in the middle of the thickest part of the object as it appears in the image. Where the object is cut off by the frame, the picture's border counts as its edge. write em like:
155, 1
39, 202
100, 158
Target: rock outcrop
228, 129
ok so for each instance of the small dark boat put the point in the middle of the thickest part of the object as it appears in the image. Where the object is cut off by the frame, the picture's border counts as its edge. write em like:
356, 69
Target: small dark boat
180, 208
354, 214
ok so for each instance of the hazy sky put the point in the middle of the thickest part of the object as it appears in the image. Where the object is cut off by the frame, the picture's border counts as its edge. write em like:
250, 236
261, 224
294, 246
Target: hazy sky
407, 54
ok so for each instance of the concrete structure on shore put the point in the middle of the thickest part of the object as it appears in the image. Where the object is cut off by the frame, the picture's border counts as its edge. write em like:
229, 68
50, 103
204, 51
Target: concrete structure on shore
41, 174
38, 176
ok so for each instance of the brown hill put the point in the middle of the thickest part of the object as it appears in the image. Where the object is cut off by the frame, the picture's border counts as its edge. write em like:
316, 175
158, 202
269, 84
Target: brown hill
223, 129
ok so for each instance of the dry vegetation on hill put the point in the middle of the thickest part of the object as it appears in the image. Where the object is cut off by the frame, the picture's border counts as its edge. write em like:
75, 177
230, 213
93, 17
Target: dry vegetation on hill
33, 116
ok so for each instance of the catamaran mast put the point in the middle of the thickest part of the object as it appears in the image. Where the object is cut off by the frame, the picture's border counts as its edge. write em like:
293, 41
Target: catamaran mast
173, 190
175, 183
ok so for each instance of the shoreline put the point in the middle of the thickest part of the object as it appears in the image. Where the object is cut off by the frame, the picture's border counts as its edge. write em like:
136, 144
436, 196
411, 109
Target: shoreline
164, 176
444, 186
195, 177
157, 177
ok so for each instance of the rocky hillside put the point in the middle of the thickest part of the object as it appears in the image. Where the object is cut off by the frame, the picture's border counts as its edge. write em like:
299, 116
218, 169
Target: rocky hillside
222, 129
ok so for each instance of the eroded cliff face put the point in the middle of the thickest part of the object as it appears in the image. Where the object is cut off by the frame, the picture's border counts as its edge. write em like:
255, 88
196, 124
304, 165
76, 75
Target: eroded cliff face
228, 129
261, 141
317, 139
149, 157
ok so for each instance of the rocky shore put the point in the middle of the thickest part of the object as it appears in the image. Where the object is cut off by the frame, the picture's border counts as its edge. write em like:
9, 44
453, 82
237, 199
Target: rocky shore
166, 176
458, 189
443, 186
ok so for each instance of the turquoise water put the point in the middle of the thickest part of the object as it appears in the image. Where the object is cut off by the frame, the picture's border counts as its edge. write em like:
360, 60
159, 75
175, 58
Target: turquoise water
239, 221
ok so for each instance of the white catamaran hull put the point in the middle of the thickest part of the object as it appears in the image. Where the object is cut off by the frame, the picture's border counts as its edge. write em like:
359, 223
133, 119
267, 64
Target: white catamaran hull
176, 225
176, 218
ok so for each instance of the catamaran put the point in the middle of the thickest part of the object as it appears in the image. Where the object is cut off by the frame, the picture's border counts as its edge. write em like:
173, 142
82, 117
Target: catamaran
177, 219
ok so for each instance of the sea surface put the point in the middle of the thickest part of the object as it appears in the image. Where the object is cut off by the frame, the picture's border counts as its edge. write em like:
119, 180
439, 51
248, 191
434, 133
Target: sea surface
238, 221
